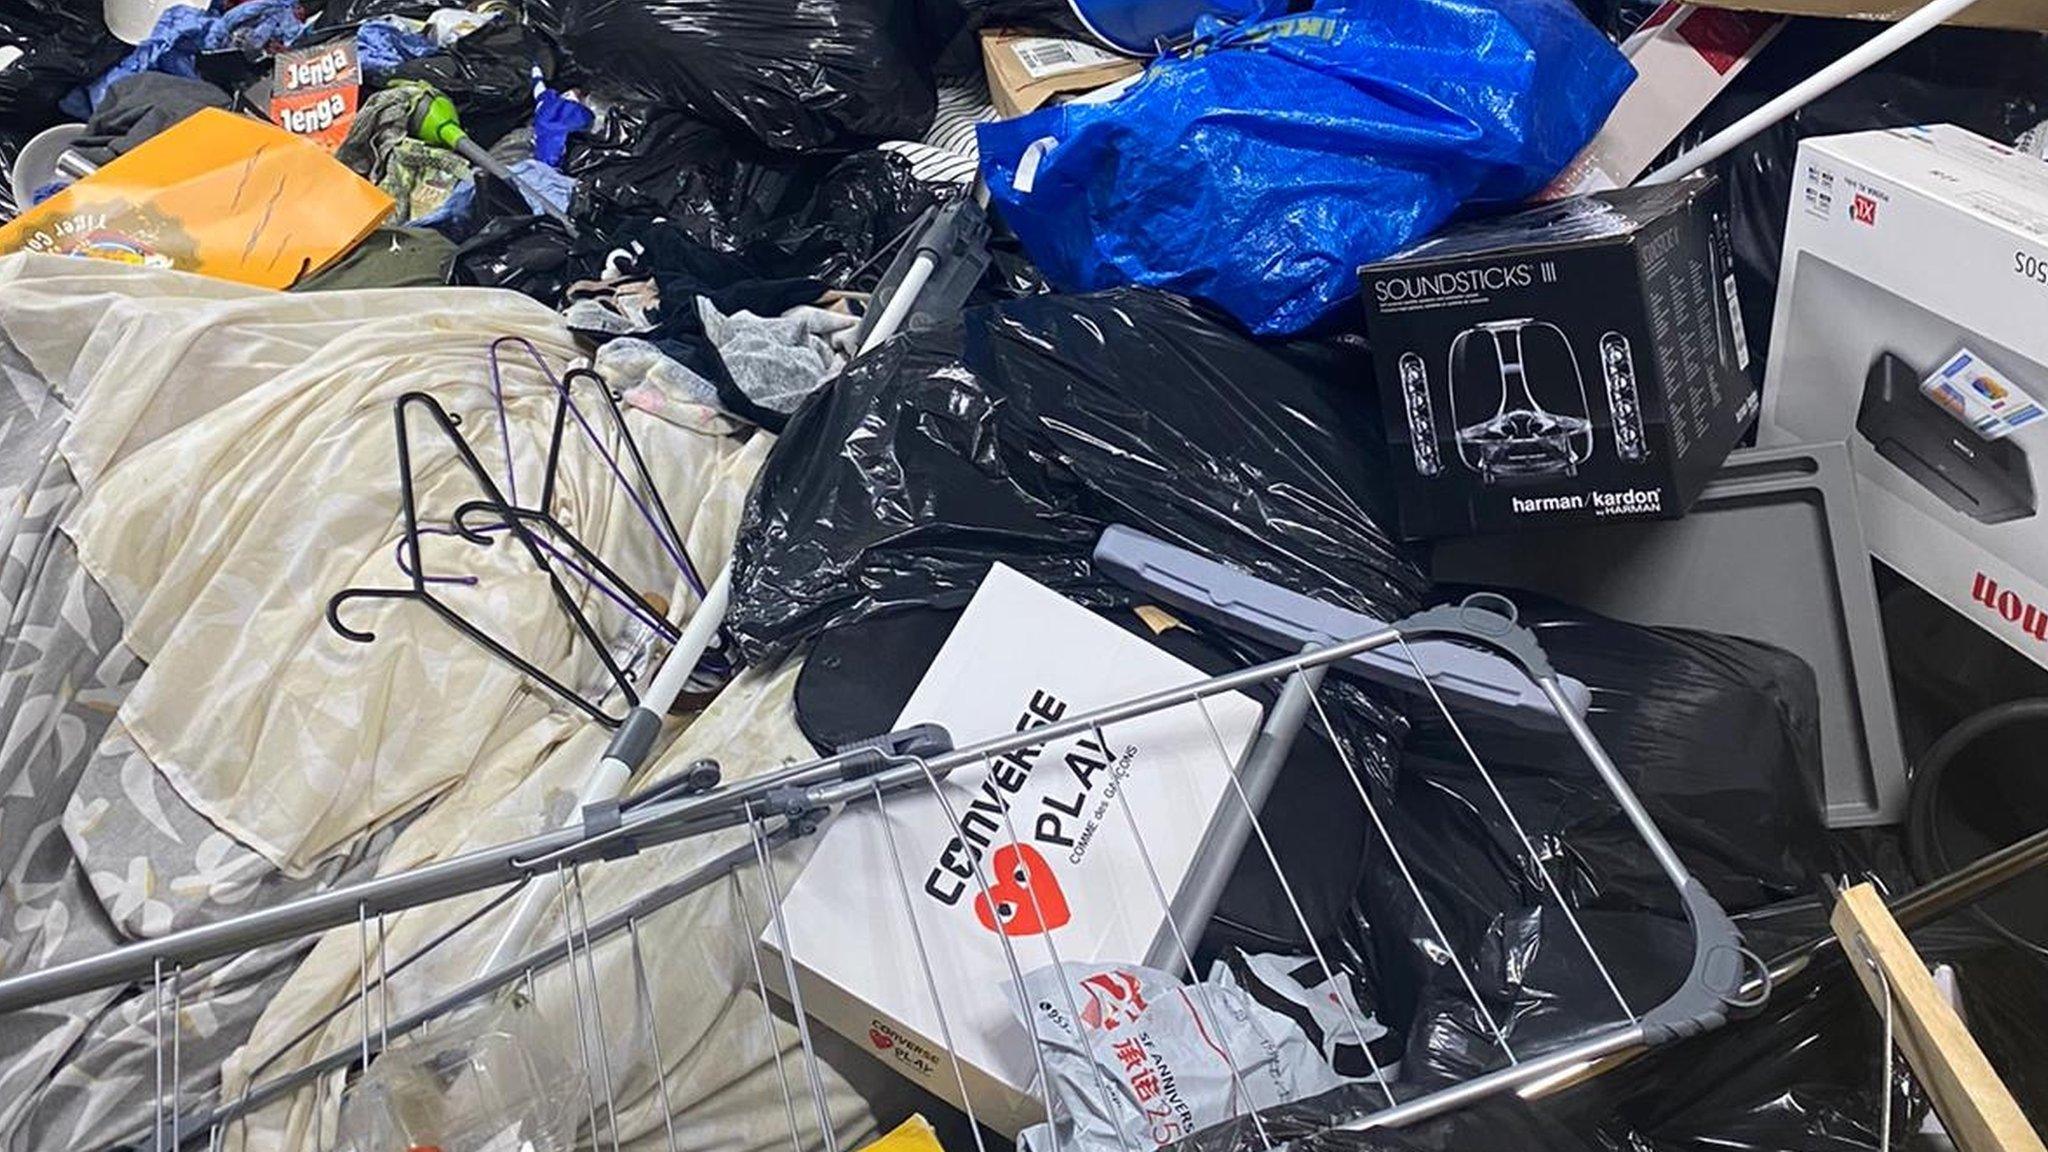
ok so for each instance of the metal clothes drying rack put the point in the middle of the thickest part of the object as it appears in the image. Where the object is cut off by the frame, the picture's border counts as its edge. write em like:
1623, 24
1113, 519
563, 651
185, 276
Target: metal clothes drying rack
789, 802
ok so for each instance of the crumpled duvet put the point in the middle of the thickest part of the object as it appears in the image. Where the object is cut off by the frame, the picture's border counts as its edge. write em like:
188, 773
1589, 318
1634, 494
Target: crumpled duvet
226, 465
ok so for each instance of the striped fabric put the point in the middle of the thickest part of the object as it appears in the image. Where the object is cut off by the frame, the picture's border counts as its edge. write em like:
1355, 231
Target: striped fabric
947, 154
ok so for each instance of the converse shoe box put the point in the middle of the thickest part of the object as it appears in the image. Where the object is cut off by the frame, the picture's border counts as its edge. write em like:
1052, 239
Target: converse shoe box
1912, 323
1583, 360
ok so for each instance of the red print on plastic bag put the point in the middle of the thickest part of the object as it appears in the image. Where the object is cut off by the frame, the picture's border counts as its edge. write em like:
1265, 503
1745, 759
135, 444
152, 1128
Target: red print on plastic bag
1023, 895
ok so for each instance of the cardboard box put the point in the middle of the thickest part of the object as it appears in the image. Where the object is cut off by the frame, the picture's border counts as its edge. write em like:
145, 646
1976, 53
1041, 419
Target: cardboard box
1020, 657
1909, 324
1580, 361
2031, 15
1684, 55
1025, 71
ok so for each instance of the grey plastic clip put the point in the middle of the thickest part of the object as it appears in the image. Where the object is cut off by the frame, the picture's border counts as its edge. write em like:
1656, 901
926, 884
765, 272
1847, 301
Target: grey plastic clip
635, 736
955, 235
1719, 969
789, 803
866, 757
602, 817
1490, 619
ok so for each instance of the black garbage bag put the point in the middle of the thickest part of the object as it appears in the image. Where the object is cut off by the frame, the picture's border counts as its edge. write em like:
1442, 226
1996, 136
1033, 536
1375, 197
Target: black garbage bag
953, 28
1992, 83
341, 13
784, 216
528, 254
1018, 431
1804, 1074
489, 76
638, 159
840, 228
1500, 1122
62, 46
796, 75
1716, 735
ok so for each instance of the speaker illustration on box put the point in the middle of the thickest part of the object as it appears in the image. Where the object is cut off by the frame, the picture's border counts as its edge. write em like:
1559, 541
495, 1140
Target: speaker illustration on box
1518, 401
1618, 369
1421, 415
1986, 480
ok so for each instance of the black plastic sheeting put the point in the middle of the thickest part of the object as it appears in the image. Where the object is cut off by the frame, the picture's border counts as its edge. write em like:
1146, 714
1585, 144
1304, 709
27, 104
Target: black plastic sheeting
1717, 736
748, 222
1992, 83
1017, 432
796, 75
63, 45
819, 217
1804, 1074
489, 76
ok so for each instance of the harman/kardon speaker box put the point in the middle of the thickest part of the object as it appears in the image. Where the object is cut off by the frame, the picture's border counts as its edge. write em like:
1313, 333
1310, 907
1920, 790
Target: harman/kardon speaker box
1579, 361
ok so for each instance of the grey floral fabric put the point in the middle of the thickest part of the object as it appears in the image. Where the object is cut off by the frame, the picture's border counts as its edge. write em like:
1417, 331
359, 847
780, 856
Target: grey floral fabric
96, 850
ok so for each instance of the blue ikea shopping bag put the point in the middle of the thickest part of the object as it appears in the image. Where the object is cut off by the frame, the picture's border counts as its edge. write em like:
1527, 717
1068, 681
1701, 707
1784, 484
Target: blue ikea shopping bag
1262, 169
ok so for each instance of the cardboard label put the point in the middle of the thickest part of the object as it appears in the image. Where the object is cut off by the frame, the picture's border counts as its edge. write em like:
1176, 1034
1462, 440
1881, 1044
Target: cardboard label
1042, 56
1027, 72
315, 92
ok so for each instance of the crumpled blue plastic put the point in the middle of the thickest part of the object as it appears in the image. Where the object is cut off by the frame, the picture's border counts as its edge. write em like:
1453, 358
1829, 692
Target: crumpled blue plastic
555, 118
256, 27
1261, 170
183, 32
539, 179
382, 45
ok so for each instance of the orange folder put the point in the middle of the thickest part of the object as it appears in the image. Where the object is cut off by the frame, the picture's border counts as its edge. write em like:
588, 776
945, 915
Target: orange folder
218, 194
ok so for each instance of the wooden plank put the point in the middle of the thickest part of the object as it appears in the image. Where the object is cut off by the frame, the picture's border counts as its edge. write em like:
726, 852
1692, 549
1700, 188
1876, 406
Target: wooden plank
1973, 1103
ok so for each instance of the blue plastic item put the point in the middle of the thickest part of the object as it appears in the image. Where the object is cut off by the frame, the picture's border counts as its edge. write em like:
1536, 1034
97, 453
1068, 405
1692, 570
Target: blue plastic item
1261, 170
383, 45
182, 33
1139, 27
555, 118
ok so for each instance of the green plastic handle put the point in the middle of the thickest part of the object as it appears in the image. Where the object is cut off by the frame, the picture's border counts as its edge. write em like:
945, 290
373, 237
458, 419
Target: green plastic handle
437, 123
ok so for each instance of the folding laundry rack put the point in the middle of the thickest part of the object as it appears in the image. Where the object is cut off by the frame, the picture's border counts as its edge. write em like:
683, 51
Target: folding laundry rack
784, 803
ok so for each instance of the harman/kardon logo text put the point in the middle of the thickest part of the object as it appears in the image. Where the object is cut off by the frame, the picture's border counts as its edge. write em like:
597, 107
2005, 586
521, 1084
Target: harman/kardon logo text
1627, 502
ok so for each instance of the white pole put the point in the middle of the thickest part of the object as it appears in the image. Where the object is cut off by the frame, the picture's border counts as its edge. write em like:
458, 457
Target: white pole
1812, 88
614, 770
608, 780
901, 301
690, 646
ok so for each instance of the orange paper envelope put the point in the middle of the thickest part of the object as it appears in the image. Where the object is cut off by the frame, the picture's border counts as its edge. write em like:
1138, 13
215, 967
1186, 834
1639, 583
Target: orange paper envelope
216, 193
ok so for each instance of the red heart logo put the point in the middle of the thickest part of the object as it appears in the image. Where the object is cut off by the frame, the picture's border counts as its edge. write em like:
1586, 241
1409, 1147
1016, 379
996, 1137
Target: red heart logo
881, 1039
1023, 895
